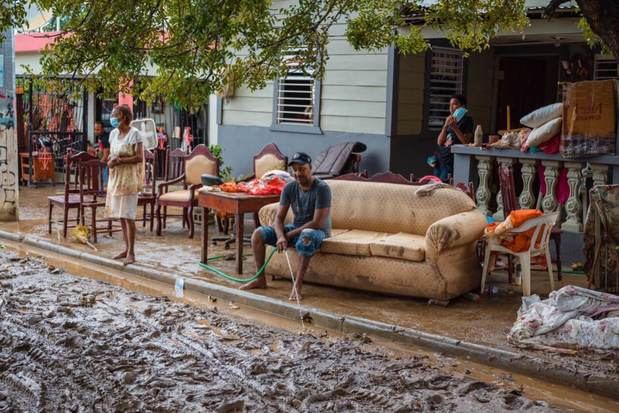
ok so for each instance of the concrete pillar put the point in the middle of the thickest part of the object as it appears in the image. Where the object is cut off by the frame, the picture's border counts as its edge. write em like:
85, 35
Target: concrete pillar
573, 207
551, 175
8, 132
527, 197
483, 194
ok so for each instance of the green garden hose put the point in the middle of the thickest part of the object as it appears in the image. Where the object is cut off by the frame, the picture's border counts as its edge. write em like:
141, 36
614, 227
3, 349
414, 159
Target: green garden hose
229, 277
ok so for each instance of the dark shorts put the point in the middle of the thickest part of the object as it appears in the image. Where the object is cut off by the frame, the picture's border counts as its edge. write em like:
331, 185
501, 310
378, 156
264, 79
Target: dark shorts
307, 243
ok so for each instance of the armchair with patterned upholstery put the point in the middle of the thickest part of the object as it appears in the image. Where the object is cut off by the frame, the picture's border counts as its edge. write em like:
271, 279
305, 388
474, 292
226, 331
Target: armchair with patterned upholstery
196, 164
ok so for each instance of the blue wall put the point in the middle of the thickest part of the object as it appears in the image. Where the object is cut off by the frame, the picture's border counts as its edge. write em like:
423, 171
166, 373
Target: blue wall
241, 143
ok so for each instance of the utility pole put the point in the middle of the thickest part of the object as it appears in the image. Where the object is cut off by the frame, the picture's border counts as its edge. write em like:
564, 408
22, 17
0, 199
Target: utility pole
9, 184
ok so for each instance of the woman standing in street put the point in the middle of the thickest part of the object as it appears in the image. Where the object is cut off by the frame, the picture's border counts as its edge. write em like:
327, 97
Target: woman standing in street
126, 163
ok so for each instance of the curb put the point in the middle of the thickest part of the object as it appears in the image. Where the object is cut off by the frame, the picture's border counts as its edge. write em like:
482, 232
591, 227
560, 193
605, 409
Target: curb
491, 356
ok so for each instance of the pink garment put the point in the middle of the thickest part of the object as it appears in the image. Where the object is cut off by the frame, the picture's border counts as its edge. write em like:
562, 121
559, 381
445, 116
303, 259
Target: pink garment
552, 146
562, 189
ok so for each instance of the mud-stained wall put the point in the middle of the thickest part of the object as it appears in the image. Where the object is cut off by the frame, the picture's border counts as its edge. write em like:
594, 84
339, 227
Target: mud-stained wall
8, 135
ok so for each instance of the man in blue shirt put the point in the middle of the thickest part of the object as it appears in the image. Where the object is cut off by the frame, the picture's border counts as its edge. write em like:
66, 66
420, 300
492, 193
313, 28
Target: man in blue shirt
310, 199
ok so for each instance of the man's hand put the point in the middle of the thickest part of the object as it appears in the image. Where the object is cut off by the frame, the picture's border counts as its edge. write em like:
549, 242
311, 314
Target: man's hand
282, 244
451, 121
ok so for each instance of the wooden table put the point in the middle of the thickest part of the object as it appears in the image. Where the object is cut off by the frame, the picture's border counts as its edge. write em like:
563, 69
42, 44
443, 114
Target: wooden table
231, 203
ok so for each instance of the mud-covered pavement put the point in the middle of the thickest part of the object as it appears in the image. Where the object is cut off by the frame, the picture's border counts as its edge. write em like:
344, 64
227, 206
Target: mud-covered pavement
73, 344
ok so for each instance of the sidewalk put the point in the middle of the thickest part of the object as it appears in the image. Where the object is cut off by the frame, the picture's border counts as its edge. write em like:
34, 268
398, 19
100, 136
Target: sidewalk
484, 322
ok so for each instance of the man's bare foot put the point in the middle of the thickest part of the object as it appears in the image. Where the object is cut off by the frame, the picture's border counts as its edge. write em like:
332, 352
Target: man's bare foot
259, 283
129, 260
121, 255
294, 294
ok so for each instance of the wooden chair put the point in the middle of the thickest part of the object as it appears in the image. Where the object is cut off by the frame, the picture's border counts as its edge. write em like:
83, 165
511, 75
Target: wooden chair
198, 163
147, 198
542, 227
510, 203
69, 199
91, 196
268, 159
175, 163
174, 167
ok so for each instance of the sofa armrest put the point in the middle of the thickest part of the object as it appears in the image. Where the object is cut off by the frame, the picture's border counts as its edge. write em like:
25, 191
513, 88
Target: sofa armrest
454, 231
267, 213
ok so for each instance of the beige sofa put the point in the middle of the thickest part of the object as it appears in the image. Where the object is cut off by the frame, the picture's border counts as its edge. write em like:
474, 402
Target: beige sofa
395, 239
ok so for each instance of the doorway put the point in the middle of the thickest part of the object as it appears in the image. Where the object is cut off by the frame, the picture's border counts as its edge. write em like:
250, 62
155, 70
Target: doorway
525, 84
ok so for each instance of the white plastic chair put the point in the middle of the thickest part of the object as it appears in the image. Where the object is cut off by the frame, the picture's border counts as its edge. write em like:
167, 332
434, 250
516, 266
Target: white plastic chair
543, 227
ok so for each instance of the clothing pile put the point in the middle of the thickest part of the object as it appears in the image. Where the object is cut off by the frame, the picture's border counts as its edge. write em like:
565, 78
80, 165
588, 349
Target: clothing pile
572, 317
271, 183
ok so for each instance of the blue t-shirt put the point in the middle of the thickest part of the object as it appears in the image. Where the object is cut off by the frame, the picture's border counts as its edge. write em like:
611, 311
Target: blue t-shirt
304, 203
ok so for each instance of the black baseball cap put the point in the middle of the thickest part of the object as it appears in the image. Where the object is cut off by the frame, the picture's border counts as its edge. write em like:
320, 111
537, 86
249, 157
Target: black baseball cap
300, 158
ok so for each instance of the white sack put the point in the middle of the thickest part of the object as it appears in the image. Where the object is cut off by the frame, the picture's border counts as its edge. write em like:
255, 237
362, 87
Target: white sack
544, 133
542, 115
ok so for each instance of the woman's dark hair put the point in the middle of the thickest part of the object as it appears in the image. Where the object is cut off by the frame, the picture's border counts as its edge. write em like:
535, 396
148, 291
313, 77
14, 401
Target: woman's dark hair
124, 109
459, 98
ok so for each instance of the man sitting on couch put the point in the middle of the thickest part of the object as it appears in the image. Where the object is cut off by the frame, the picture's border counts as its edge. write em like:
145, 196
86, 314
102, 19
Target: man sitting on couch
310, 199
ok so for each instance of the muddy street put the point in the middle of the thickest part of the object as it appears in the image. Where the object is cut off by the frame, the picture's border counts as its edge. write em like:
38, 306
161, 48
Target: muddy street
73, 344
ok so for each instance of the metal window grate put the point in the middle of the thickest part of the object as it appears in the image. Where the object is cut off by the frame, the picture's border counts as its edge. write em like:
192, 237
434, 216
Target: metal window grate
446, 80
295, 97
605, 67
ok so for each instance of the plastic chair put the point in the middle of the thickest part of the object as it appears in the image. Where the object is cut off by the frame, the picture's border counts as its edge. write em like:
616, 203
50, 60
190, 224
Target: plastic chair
539, 246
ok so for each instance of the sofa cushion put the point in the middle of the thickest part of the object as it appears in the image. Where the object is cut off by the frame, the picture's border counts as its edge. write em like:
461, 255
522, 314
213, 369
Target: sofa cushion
402, 246
353, 242
392, 208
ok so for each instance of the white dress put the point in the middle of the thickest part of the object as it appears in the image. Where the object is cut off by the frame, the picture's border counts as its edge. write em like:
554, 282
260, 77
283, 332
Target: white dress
126, 181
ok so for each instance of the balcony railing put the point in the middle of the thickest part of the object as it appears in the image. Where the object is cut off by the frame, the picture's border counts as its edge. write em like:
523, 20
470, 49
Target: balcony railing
478, 165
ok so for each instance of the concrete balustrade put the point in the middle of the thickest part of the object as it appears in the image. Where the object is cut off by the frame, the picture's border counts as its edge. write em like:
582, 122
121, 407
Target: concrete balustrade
479, 165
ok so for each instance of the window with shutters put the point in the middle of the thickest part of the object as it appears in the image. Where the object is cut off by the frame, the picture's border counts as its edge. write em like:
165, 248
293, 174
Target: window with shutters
446, 80
605, 67
297, 97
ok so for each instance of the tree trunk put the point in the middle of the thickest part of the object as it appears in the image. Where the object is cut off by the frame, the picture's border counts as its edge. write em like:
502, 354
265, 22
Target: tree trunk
603, 18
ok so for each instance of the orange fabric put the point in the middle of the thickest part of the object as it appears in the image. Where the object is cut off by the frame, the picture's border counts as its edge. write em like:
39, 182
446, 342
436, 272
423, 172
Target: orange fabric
229, 187
516, 242
520, 216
